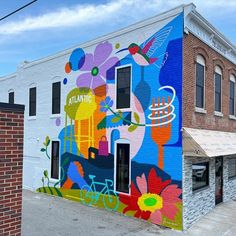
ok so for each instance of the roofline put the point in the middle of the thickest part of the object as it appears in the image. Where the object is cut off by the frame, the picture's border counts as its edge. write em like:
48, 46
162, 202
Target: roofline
222, 38
140, 24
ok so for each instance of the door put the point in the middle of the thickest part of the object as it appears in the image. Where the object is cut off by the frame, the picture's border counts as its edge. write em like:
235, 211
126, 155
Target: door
219, 180
122, 167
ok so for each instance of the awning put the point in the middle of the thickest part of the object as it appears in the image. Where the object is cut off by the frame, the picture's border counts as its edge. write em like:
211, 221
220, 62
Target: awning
208, 143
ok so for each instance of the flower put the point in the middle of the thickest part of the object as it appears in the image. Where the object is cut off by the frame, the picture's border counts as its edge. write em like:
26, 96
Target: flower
96, 67
153, 198
106, 104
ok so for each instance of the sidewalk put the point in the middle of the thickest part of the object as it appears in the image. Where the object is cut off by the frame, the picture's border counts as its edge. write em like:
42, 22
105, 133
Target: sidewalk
45, 215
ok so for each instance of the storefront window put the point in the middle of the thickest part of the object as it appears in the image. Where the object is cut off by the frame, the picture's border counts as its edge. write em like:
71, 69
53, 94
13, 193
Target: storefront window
200, 175
232, 167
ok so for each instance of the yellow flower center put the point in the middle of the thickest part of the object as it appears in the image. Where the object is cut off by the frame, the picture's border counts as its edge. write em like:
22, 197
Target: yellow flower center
150, 202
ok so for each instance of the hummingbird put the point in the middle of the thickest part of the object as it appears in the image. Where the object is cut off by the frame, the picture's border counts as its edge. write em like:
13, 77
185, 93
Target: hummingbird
140, 55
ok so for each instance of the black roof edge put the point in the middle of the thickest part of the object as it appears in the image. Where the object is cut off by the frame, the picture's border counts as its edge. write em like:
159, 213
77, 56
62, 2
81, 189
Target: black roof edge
12, 107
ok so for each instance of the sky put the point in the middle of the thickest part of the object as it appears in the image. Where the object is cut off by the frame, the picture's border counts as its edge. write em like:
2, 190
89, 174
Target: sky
50, 26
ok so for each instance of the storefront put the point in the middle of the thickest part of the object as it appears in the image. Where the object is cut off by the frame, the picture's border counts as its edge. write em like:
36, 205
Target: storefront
209, 171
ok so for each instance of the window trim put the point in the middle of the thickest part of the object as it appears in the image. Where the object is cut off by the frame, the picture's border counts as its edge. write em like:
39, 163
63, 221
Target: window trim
200, 60
11, 91
55, 114
59, 166
122, 141
218, 71
231, 177
208, 179
32, 117
232, 79
131, 76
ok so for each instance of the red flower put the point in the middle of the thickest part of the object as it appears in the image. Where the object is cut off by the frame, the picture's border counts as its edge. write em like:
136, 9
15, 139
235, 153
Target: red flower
152, 199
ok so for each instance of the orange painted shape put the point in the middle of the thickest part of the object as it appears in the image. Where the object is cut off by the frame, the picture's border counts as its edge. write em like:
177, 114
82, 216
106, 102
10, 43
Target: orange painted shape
68, 184
68, 67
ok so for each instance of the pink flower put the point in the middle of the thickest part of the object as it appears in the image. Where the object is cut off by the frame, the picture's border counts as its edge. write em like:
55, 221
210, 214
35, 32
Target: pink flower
153, 198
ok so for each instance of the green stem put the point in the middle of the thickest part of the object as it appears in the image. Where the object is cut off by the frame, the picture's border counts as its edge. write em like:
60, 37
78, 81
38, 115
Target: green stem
47, 153
128, 121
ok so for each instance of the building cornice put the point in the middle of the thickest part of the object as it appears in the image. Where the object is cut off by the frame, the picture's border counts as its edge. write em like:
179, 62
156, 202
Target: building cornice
196, 24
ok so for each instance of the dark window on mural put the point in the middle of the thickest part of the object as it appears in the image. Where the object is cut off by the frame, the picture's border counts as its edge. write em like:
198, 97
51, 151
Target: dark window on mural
56, 98
200, 175
32, 102
11, 97
232, 167
231, 98
217, 92
55, 160
199, 85
122, 167
123, 77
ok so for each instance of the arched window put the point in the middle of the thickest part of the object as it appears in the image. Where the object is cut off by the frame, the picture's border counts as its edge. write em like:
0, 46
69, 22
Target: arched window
200, 82
231, 95
218, 88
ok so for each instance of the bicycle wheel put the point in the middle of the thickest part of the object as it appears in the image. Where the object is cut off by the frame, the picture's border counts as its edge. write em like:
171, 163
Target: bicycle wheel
86, 195
110, 200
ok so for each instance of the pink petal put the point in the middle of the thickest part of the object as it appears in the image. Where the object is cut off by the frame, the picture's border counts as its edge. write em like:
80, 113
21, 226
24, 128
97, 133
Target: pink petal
84, 80
101, 53
142, 183
156, 217
97, 82
169, 210
171, 194
88, 63
107, 65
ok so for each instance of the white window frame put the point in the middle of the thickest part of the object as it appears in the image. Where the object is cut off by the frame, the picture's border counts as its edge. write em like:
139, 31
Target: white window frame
232, 79
53, 180
33, 85
200, 60
122, 141
218, 70
56, 79
131, 78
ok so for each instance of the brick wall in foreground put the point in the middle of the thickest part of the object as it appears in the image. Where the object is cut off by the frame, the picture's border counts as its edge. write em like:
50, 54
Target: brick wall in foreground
11, 163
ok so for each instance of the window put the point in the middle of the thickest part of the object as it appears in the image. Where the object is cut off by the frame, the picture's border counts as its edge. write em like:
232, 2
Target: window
56, 98
232, 167
11, 97
231, 96
200, 175
218, 77
200, 82
122, 167
32, 102
55, 160
123, 79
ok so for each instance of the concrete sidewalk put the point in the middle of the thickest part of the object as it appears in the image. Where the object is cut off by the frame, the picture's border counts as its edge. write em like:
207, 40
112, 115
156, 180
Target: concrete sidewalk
45, 215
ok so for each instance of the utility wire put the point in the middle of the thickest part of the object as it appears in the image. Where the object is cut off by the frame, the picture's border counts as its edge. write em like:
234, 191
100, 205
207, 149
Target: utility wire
19, 9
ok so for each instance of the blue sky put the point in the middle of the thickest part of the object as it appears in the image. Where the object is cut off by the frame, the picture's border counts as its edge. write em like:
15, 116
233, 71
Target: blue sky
49, 26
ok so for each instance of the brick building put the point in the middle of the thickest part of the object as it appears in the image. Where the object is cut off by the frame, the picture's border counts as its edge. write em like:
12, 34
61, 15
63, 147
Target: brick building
11, 168
141, 121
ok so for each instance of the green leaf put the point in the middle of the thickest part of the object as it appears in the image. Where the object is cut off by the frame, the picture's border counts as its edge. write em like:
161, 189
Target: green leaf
47, 141
120, 113
115, 119
132, 128
45, 172
43, 150
136, 117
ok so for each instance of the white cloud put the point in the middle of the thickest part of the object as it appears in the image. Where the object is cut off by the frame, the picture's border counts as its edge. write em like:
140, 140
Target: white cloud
119, 10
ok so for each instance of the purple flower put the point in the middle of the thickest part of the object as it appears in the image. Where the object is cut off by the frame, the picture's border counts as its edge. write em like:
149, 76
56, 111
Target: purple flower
106, 104
96, 66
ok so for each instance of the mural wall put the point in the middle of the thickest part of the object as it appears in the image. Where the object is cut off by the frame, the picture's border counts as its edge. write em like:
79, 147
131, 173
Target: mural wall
96, 134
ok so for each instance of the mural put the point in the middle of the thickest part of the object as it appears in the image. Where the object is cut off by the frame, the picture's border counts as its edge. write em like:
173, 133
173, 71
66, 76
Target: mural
126, 160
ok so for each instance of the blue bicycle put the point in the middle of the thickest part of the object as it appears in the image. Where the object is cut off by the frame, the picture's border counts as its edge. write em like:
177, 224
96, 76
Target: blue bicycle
90, 196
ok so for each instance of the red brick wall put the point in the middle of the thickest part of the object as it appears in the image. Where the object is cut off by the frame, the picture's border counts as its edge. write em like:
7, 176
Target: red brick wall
192, 47
11, 163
